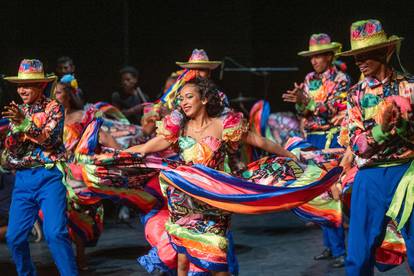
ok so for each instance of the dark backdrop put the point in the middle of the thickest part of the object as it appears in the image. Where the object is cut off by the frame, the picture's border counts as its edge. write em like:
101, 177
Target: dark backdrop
255, 33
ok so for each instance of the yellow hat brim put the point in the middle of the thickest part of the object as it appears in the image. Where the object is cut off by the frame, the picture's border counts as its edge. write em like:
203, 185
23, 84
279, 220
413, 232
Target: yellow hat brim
16, 79
311, 53
391, 41
199, 64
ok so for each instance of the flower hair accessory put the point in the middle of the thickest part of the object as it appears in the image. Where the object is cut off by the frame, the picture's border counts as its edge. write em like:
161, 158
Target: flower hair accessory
71, 81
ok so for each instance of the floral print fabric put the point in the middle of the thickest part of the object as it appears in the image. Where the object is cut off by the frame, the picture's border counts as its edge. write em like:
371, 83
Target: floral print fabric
37, 141
362, 129
326, 96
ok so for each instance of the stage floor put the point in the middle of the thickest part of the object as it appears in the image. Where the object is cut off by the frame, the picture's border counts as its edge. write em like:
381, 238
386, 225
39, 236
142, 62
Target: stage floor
273, 244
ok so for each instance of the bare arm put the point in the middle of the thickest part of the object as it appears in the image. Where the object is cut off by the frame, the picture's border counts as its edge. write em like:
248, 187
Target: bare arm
107, 140
265, 144
347, 159
156, 144
346, 163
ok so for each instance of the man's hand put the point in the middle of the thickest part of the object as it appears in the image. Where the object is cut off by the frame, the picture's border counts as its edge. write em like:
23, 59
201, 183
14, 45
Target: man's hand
297, 95
336, 191
390, 113
338, 118
13, 113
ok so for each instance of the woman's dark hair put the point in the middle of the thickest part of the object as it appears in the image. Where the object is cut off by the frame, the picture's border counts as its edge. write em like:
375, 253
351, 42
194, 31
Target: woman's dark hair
75, 100
209, 91
130, 70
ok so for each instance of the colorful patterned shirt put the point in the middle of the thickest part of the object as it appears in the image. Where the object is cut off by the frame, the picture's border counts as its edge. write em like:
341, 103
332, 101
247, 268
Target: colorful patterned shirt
326, 96
362, 129
37, 141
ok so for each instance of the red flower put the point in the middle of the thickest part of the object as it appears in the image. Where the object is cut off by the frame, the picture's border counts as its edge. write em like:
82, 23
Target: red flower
355, 34
370, 28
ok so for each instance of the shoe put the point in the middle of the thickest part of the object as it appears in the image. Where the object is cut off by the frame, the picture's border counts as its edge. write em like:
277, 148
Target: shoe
82, 264
123, 214
338, 262
325, 255
36, 233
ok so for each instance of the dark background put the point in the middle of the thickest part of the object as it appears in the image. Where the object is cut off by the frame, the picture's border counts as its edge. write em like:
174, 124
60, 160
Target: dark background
255, 33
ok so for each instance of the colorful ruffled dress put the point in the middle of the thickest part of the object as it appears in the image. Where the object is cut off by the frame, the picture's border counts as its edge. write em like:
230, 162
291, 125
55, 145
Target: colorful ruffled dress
201, 197
195, 228
85, 210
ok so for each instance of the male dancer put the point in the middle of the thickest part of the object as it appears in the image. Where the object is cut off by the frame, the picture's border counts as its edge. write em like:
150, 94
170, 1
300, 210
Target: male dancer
33, 147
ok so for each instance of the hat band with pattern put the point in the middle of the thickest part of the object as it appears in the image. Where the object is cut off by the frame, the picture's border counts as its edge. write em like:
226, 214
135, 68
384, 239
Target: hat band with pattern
375, 39
319, 47
29, 76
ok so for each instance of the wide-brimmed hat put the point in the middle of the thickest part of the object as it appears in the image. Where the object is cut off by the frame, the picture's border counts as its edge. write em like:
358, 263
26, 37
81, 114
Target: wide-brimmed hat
31, 71
368, 35
321, 43
199, 60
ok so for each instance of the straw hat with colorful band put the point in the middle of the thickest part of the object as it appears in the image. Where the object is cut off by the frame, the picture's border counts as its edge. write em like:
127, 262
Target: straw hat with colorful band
321, 43
199, 60
368, 35
31, 71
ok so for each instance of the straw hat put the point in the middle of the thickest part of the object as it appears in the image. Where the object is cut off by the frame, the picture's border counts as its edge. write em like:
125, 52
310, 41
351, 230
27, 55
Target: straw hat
321, 43
368, 35
30, 71
199, 60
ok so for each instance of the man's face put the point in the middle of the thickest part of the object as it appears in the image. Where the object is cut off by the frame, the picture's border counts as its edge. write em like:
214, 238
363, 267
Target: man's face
321, 62
30, 92
370, 63
128, 81
65, 68
203, 73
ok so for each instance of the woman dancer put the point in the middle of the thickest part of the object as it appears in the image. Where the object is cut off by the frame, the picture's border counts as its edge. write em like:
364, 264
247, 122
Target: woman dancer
85, 212
199, 231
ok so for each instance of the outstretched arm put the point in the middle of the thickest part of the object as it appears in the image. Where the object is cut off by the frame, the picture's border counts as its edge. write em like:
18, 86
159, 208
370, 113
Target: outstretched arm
156, 144
255, 140
107, 140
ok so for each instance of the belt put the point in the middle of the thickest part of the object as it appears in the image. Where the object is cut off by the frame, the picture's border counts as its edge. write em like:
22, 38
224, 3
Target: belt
329, 135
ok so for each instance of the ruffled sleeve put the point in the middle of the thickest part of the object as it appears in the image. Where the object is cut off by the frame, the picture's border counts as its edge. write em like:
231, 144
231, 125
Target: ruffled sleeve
90, 114
170, 126
234, 127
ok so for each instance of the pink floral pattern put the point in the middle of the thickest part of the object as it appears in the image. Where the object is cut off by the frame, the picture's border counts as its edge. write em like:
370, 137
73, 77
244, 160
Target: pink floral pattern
362, 128
38, 140
326, 97
319, 39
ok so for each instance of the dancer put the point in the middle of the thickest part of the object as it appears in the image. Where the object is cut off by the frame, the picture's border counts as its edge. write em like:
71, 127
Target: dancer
379, 121
198, 231
34, 147
85, 211
321, 102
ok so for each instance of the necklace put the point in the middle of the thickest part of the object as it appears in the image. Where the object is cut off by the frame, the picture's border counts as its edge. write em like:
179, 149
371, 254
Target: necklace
201, 129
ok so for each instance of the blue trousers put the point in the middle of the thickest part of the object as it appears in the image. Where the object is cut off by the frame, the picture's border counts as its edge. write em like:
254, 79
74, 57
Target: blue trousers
35, 189
372, 193
333, 237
